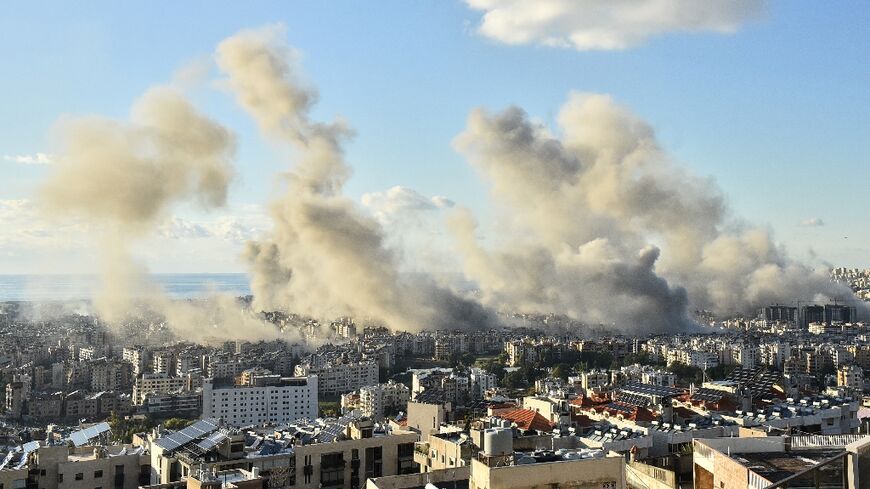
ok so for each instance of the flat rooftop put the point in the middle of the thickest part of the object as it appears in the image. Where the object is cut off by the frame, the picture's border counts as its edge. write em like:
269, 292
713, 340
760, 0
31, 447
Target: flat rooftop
776, 466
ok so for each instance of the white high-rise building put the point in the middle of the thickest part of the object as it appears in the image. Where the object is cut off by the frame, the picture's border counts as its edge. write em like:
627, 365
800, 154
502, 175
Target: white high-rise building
288, 399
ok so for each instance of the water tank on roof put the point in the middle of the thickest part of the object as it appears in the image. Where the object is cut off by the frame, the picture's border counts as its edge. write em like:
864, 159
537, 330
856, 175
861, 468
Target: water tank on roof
497, 442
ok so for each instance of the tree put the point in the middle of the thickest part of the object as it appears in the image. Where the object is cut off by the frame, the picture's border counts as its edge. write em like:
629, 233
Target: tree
561, 371
496, 369
176, 424
513, 380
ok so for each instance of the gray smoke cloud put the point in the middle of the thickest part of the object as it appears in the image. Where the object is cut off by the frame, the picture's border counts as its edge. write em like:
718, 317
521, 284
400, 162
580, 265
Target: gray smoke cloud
325, 257
585, 207
124, 177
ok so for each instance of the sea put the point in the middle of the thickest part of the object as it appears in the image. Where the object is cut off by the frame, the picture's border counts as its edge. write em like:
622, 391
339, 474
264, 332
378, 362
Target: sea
41, 288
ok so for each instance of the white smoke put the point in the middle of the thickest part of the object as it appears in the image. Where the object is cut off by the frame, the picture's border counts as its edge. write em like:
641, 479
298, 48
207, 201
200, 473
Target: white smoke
123, 178
325, 258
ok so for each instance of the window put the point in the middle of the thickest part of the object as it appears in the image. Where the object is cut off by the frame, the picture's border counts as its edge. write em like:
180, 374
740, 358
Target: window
59, 479
374, 461
80, 476
98, 474
332, 469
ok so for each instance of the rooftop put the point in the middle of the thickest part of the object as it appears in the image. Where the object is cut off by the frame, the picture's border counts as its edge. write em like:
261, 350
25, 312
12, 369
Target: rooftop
779, 465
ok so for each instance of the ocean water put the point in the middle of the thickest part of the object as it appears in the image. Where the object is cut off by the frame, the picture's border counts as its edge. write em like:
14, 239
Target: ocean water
83, 287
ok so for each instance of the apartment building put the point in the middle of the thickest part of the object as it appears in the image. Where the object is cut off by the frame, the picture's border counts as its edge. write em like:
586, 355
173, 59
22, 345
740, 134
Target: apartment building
340, 453
80, 467
378, 400
340, 378
281, 401
136, 356
157, 383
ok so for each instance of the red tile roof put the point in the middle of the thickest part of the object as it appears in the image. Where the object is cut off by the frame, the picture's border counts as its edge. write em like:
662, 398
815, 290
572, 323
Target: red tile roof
526, 419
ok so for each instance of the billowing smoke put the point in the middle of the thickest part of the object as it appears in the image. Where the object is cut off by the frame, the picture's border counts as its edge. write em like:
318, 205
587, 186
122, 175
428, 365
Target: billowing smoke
325, 257
130, 173
585, 207
597, 223
124, 177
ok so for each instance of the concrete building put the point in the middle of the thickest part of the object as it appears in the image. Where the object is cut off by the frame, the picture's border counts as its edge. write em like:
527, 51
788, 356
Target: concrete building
780, 461
378, 400
340, 453
481, 381
136, 356
658, 377
173, 404
448, 450
340, 378
15, 399
288, 399
157, 383
425, 418
595, 379
851, 377
780, 313
539, 470
85, 467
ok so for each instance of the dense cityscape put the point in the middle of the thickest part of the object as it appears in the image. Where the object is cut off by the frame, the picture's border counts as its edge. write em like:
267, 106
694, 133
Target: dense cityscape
462, 244
347, 404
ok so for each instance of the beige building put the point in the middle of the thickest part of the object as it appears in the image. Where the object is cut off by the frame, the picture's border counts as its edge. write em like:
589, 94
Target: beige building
425, 418
159, 383
801, 461
444, 451
595, 379
86, 467
851, 377
341, 456
586, 473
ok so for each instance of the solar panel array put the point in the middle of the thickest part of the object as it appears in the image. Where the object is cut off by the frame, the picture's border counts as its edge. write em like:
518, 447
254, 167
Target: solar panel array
620, 407
83, 437
193, 432
27, 448
652, 390
707, 395
633, 399
8, 459
335, 431
272, 447
758, 380
212, 440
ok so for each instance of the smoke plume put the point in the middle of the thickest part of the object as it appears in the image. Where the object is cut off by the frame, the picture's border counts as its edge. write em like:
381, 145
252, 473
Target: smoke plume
585, 207
325, 257
124, 177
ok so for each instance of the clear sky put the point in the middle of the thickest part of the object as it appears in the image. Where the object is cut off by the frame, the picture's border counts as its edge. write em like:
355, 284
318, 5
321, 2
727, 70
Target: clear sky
777, 112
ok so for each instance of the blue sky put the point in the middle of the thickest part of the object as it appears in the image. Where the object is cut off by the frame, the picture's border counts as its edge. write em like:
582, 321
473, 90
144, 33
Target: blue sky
776, 112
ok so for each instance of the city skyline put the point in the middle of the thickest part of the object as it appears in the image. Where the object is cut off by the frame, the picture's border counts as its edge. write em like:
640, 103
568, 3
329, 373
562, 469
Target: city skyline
783, 114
